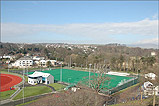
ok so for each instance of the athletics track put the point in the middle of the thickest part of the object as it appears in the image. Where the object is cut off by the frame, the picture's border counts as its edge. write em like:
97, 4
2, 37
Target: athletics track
7, 81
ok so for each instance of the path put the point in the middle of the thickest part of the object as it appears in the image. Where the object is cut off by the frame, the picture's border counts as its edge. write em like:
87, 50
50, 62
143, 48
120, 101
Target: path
20, 101
52, 88
10, 102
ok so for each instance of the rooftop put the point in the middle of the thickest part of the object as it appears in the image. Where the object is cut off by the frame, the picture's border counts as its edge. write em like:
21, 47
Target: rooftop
38, 74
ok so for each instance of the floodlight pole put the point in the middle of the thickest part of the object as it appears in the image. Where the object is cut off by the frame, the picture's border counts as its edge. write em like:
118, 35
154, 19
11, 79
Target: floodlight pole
40, 66
70, 61
23, 83
94, 67
89, 73
8, 67
27, 70
61, 74
134, 79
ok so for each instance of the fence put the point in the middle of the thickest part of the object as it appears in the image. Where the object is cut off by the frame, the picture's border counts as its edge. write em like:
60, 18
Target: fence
123, 85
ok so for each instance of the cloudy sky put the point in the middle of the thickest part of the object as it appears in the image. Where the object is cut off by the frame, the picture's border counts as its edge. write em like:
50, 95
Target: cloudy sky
80, 22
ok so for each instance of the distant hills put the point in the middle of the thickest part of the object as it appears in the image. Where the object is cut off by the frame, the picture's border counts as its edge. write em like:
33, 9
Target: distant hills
144, 45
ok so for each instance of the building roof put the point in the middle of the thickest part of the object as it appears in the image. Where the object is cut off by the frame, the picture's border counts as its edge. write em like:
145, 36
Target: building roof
151, 75
38, 74
25, 58
147, 84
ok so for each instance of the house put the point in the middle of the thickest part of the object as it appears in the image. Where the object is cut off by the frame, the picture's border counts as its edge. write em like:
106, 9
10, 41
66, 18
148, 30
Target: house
153, 53
7, 57
150, 76
43, 63
40, 77
149, 89
53, 62
23, 62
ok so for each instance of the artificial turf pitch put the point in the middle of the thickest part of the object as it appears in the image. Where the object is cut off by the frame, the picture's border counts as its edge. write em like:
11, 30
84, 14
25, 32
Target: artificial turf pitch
74, 76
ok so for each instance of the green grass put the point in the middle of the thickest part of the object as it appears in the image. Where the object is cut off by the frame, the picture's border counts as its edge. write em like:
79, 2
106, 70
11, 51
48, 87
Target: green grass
6, 94
57, 86
32, 91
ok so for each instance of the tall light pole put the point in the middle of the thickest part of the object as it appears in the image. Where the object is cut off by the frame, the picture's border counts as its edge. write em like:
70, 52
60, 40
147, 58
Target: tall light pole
86, 63
70, 61
89, 73
61, 73
8, 66
23, 82
40, 65
94, 67
27, 70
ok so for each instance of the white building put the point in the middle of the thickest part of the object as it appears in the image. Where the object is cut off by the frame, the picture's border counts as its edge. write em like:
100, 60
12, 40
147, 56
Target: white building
43, 63
53, 62
7, 57
40, 77
149, 89
23, 62
151, 76
153, 53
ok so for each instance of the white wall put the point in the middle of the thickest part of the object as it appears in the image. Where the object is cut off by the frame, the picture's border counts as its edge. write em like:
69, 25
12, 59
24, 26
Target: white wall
34, 81
23, 63
50, 79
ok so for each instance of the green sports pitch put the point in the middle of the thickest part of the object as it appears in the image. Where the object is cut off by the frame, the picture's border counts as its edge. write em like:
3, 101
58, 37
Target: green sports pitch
74, 76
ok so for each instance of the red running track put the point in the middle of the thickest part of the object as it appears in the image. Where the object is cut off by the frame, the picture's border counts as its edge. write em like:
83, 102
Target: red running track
7, 81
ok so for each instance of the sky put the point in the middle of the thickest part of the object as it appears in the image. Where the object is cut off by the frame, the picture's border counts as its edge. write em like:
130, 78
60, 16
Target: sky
79, 22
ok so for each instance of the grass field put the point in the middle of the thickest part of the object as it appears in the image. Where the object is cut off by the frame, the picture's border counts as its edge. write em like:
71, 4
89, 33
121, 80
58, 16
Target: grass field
73, 76
57, 86
6, 94
32, 91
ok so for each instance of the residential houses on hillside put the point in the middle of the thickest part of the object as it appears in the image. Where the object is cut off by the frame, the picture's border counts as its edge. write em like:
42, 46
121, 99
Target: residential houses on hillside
7, 57
29, 61
148, 87
23, 62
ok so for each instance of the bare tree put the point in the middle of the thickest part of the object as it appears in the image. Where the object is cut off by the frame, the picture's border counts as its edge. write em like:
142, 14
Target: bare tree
98, 80
82, 97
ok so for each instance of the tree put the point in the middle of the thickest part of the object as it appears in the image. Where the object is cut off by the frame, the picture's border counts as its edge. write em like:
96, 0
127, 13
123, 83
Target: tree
82, 97
48, 64
151, 60
120, 61
113, 62
98, 80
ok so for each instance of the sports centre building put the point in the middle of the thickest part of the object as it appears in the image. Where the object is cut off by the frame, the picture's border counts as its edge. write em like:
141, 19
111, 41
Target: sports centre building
40, 77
